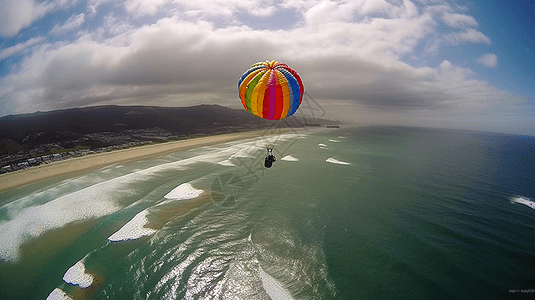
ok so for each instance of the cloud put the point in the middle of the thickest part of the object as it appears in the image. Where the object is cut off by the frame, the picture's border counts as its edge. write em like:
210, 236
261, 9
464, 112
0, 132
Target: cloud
202, 9
395, 86
458, 20
18, 14
164, 61
174, 61
327, 12
489, 60
371, 7
13, 50
432, 46
93, 5
144, 7
349, 55
470, 36
73, 22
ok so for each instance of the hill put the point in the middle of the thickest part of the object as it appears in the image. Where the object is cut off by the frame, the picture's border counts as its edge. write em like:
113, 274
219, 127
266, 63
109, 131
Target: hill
35, 138
69, 123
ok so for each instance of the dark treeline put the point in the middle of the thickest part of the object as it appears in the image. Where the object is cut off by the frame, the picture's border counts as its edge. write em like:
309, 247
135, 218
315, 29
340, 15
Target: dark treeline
29, 139
61, 124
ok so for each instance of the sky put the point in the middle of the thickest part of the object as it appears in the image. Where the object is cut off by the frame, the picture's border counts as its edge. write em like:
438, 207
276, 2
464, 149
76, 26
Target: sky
431, 63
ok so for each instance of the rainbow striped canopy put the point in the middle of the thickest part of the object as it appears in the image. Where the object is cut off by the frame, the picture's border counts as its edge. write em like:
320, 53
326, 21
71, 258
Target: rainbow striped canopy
271, 90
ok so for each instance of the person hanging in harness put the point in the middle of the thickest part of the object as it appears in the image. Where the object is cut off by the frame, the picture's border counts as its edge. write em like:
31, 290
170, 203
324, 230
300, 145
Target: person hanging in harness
270, 158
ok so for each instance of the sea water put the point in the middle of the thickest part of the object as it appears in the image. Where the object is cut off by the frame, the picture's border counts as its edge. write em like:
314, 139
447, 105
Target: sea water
350, 213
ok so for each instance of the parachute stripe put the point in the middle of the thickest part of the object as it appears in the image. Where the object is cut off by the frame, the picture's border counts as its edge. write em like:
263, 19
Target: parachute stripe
278, 99
265, 111
272, 97
252, 69
296, 94
252, 92
244, 96
301, 87
285, 95
258, 93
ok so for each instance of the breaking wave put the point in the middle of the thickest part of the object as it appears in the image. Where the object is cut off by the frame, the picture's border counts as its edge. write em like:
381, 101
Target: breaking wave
58, 294
335, 161
76, 275
184, 191
289, 158
523, 200
134, 229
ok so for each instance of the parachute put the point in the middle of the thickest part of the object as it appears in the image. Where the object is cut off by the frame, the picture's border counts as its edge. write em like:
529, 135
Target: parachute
271, 90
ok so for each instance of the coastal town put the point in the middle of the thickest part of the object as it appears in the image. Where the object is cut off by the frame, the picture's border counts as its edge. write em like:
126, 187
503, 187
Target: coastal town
50, 152
41, 138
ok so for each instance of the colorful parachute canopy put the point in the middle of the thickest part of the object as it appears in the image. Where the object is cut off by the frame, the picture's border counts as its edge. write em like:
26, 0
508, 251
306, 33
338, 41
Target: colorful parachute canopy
271, 90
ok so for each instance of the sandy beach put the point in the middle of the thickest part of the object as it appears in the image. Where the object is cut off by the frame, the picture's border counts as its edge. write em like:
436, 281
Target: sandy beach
80, 165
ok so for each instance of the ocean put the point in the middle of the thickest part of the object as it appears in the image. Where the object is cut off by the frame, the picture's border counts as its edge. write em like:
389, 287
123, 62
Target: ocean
350, 213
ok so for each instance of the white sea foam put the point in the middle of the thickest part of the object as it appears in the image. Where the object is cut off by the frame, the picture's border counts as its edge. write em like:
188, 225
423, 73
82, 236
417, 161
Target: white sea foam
224, 151
523, 200
184, 191
227, 163
36, 216
29, 217
76, 275
92, 202
289, 158
273, 287
322, 145
134, 229
335, 161
283, 136
341, 137
334, 141
244, 152
58, 294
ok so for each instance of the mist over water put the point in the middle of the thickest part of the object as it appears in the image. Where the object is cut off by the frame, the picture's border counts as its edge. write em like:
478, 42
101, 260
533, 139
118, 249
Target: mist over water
351, 213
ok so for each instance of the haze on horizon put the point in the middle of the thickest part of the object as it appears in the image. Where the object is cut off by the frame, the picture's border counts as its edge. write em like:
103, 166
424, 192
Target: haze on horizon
431, 63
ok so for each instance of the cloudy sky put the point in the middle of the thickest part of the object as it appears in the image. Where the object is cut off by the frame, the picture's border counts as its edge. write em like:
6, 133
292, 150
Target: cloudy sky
454, 64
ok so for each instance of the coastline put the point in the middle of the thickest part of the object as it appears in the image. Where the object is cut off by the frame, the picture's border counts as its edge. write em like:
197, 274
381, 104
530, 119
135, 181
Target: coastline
84, 164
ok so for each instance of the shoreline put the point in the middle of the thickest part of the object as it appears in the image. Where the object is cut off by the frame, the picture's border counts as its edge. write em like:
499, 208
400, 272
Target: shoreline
84, 164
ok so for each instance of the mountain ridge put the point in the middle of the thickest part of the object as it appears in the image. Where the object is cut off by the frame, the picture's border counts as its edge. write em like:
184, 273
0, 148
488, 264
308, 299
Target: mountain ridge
70, 132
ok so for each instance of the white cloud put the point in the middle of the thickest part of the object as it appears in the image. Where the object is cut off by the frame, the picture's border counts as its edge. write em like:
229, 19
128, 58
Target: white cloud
470, 36
328, 12
432, 46
187, 61
18, 14
348, 54
372, 6
93, 5
226, 8
7, 52
458, 20
202, 9
73, 22
489, 60
144, 7
117, 26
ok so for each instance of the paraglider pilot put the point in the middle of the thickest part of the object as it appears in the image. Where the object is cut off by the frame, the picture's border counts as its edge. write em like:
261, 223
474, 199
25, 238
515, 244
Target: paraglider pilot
270, 158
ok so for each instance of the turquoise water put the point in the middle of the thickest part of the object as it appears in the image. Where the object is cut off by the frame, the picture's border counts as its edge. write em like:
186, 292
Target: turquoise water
351, 213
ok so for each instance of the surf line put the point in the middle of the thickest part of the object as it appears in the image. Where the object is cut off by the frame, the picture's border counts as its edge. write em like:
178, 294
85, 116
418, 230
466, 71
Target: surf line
140, 226
270, 284
335, 161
